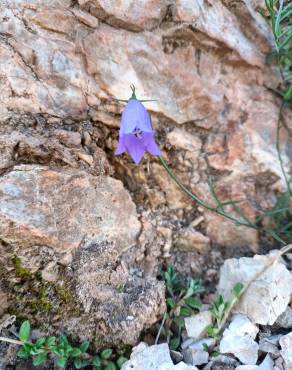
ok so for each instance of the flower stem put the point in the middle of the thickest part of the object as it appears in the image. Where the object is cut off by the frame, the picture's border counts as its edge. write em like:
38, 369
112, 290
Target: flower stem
219, 209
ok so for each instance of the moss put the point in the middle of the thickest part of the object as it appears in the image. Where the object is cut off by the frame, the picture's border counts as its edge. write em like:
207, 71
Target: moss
42, 302
63, 293
20, 271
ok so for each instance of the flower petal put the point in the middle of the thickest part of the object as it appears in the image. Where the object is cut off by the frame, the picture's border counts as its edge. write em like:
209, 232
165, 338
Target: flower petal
151, 145
135, 147
135, 116
121, 146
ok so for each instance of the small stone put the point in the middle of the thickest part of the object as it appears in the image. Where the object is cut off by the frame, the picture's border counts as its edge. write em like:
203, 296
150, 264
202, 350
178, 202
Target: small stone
286, 349
279, 363
267, 347
176, 356
195, 356
238, 340
87, 138
285, 319
87, 158
50, 272
70, 138
267, 364
196, 326
156, 357
240, 326
192, 240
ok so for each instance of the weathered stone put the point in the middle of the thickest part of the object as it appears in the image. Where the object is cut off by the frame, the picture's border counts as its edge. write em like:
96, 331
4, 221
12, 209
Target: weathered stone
270, 286
155, 357
267, 347
238, 339
181, 139
286, 350
196, 326
128, 14
285, 319
33, 212
191, 240
267, 363
195, 356
214, 21
203, 63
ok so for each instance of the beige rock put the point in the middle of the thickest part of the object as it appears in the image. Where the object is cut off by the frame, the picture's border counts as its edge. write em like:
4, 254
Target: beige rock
190, 240
196, 326
238, 339
286, 350
70, 138
269, 293
129, 14
34, 212
155, 357
181, 139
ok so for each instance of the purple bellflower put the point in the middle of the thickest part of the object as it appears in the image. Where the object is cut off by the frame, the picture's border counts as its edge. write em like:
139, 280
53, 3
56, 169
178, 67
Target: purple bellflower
136, 135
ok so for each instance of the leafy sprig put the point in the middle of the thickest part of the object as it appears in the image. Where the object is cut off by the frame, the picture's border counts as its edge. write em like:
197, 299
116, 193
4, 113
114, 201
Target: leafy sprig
182, 301
63, 351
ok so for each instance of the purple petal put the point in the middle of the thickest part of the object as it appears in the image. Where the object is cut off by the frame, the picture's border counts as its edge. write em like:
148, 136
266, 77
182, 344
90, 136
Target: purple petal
121, 146
135, 147
150, 144
135, 116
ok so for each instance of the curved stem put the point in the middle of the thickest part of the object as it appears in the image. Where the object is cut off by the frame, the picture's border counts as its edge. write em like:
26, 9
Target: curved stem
217, 210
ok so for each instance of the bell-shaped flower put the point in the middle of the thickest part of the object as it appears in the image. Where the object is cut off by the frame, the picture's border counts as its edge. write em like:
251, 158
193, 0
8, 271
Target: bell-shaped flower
136, 135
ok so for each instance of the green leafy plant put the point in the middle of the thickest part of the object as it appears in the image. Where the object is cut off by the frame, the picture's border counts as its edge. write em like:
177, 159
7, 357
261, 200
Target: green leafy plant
64, 352
182, 301
280, 18
220, 311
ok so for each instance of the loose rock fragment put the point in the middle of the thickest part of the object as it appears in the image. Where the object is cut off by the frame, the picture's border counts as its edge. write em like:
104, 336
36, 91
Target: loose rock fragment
196, 326
270, 287
238, 340
285, 319
286, 351
267, 364
155, 357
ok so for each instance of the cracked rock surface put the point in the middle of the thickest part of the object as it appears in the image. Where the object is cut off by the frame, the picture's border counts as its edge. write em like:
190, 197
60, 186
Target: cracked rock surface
93, 224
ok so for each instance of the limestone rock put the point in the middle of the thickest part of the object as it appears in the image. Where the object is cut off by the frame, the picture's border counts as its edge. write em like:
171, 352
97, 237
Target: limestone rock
238, 339
267, 363
285, 319
286, 350
195, 356
155, 357
191, 240
267, 346
33, 212
129, 14
203, 64
268, 295
196, 325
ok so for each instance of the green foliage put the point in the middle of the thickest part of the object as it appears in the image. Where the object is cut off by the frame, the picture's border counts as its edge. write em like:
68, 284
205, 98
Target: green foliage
182, 301
220, 310
64, 352
20, 271
280, 17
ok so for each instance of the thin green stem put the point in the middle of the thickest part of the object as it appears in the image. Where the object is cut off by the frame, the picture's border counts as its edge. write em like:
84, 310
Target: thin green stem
218, 210
279, 152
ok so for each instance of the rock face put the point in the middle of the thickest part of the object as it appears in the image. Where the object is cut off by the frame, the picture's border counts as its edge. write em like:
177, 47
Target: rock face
63, 64
60, 209
81, 220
